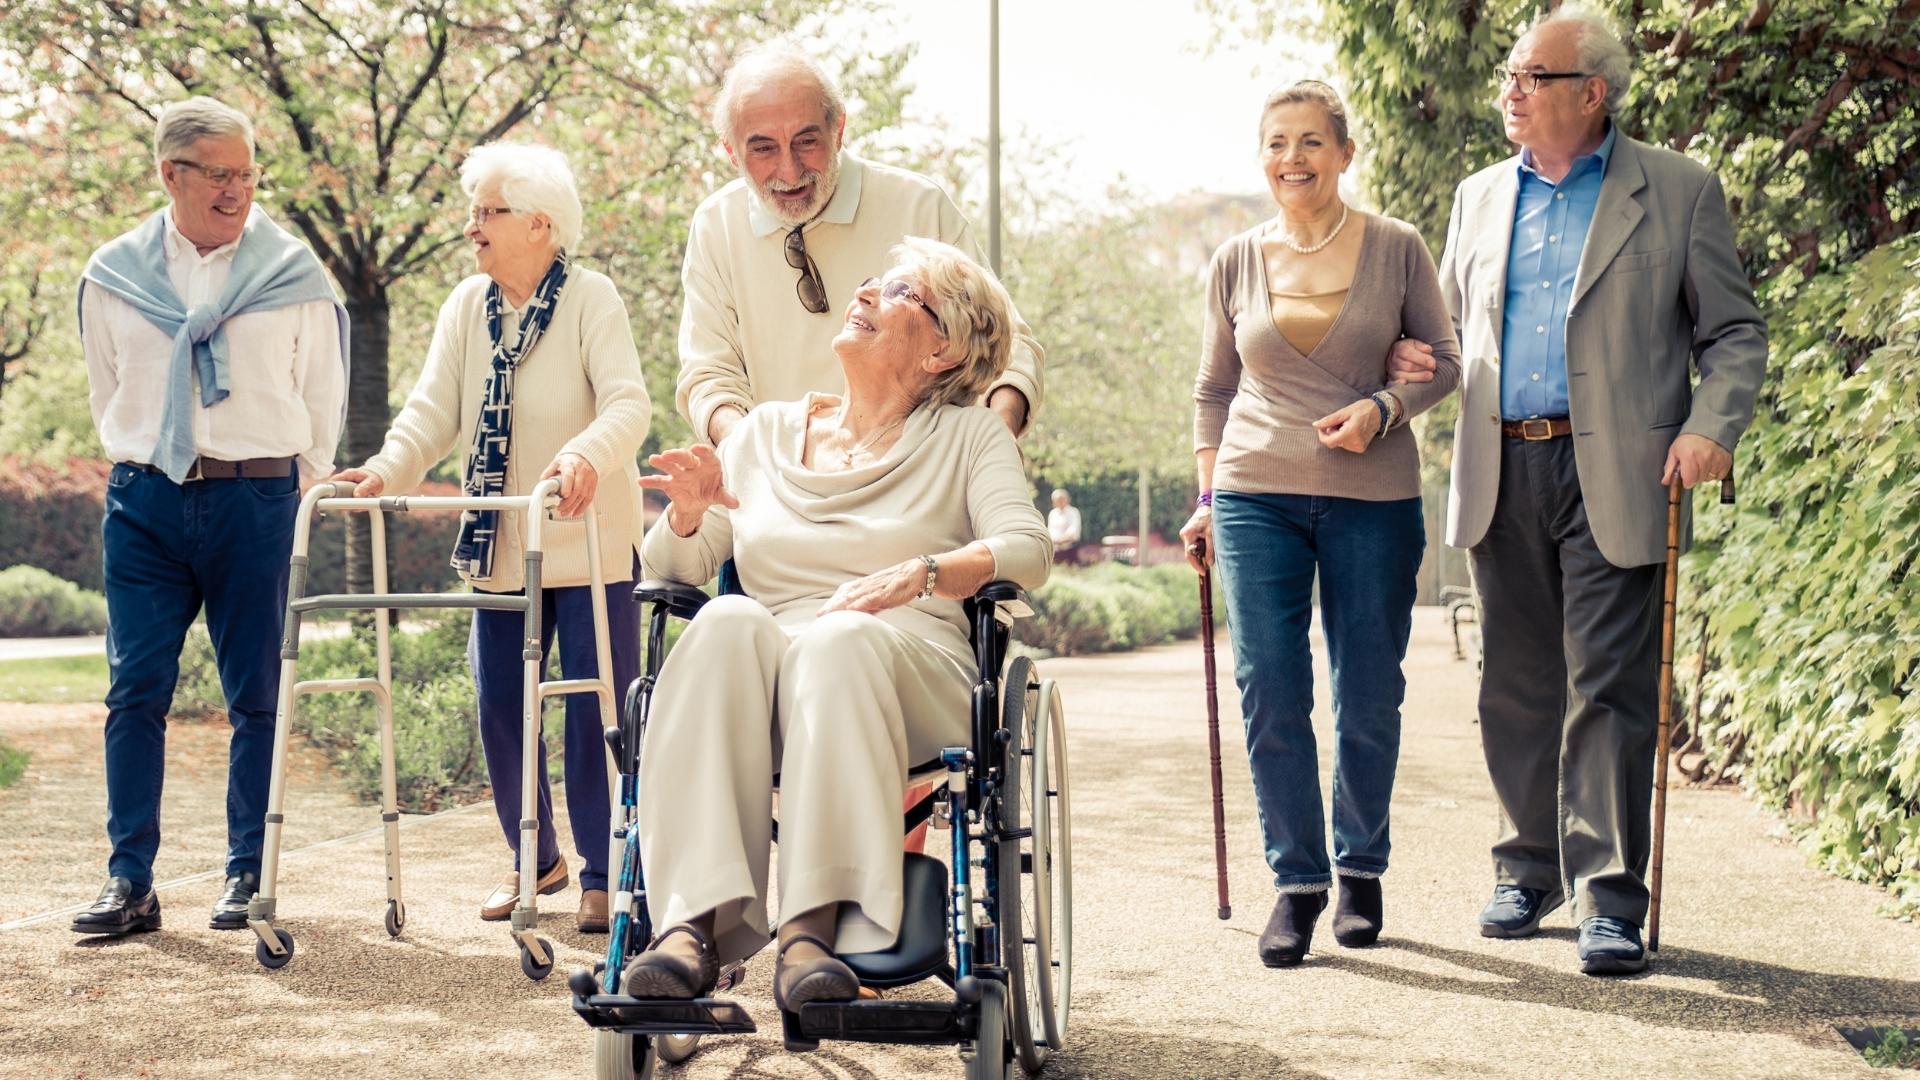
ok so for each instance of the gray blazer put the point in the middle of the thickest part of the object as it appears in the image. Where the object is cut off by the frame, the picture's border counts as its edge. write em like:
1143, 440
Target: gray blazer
1659, 285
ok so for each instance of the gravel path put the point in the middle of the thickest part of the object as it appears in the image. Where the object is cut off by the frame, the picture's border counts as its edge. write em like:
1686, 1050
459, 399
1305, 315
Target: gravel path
1763, 955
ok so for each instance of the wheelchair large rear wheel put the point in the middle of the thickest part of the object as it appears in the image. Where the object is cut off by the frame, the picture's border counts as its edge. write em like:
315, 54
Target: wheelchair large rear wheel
618, 1056
1047, 865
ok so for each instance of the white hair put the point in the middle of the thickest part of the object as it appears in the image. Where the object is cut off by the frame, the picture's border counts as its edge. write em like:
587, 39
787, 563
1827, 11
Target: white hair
975, 314
531, 180
765, 62
1598, 49
184, 123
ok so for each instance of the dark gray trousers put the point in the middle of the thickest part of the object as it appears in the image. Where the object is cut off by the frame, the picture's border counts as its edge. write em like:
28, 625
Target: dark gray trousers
1569, 695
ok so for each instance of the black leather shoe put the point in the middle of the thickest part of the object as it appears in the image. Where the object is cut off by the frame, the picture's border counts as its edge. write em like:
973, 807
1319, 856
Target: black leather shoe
230, 911
1290, 928
1356, 919
119, 911
1515, 910
1610, 946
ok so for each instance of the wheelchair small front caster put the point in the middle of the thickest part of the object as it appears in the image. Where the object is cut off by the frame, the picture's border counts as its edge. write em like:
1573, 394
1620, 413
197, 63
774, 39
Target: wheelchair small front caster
396, 918
265, 955
537, 971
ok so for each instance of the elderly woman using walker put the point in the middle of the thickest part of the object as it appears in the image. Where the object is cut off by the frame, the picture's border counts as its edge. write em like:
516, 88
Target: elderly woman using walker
533, 370
858, 524
1307, 468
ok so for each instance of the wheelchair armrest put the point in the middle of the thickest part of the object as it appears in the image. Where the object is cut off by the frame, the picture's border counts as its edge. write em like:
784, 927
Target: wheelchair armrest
1009, 600
682, 601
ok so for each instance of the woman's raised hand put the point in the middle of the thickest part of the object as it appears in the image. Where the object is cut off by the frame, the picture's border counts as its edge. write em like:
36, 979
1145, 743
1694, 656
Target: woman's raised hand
692, 482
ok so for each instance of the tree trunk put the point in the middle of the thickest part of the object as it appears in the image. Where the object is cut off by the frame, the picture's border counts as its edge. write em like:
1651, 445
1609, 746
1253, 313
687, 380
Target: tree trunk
368, 309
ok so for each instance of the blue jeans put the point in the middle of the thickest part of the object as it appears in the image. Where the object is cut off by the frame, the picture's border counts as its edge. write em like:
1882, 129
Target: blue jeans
493, 650
170, 549
1367, 555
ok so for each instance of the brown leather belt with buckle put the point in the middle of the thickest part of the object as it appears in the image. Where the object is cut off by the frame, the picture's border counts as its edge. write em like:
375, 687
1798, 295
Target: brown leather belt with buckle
206, 468
1537, 430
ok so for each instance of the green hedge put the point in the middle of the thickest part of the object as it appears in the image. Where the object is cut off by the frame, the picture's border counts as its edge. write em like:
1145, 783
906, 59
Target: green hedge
1111, 607
35, 603
1809, 589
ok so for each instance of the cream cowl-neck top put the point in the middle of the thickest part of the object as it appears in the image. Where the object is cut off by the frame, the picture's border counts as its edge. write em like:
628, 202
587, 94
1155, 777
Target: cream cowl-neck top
952, 477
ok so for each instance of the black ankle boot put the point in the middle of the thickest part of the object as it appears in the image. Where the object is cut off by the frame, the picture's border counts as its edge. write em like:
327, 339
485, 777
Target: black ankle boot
1356, 921
1290, 928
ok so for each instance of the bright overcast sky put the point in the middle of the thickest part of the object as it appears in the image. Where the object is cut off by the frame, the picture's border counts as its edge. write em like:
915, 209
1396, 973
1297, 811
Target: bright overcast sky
1125, 89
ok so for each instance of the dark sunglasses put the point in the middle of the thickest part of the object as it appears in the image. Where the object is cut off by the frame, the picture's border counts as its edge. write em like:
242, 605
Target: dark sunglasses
900, 290
813, 295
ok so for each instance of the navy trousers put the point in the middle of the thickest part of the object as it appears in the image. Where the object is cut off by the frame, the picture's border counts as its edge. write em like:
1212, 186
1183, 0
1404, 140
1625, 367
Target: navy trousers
171, 549
493, 650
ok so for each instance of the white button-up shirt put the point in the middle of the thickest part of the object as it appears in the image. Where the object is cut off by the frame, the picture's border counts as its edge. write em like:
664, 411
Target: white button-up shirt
285, 378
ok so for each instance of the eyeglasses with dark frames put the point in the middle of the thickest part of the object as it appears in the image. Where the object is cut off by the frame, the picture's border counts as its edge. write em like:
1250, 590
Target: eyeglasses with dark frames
813, 295
1529, 81
897, 290
220, 175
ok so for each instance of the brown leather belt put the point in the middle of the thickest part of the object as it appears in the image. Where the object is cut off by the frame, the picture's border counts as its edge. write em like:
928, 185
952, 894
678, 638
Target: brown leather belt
1556, 427
206, 468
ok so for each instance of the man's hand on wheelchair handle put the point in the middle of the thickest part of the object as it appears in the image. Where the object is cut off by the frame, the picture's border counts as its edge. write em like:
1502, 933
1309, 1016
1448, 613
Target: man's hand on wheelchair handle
889, 588
691, 480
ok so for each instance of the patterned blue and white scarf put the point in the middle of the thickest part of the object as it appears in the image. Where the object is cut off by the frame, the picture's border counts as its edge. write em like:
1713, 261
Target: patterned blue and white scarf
486, 467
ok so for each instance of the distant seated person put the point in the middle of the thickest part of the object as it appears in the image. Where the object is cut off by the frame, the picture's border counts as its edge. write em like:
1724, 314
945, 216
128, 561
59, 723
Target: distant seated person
857, 524
1063, 524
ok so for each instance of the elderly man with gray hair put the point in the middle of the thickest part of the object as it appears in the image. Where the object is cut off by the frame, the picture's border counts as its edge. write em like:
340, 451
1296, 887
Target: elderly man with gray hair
533, 371
773, 256
216, 361
1588, 277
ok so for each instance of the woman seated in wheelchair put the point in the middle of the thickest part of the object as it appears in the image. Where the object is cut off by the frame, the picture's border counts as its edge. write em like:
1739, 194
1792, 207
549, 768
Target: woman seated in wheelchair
858, 524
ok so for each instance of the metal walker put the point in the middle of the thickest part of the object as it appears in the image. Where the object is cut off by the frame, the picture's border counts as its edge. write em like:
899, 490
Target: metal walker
274, 949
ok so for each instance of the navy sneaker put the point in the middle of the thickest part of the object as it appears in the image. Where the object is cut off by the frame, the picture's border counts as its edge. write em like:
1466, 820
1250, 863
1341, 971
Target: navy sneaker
1610, 946
1515, 910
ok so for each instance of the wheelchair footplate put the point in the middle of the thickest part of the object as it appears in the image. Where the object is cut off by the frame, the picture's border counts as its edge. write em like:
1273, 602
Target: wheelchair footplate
663, 1016
875, 1021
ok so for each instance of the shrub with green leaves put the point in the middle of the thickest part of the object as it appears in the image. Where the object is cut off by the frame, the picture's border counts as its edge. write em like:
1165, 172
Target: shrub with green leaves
35, 603
1110, 607
1809, 588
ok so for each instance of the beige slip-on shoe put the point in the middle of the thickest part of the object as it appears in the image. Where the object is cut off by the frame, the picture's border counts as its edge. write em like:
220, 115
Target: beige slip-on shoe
506, 895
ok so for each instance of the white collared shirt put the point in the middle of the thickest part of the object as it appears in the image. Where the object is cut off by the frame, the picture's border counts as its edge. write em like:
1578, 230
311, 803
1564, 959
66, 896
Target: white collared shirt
285, 379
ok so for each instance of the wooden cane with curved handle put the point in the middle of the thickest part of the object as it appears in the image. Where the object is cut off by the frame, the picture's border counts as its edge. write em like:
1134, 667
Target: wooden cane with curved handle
1199, 551
1663, 745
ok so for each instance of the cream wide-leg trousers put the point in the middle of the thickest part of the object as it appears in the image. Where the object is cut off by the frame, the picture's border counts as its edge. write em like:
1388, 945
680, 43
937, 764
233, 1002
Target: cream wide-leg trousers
841, 706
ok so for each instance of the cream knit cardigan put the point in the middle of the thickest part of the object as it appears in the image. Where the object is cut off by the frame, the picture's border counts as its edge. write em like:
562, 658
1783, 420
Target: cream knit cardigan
580, 392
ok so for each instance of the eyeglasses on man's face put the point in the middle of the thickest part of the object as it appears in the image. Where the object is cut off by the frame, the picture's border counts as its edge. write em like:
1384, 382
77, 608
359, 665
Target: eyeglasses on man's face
897, 290
813, 295
1529, 81
220, 175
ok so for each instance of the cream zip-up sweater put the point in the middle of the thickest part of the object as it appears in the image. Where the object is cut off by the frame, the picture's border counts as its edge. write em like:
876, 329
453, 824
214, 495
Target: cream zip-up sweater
580, 391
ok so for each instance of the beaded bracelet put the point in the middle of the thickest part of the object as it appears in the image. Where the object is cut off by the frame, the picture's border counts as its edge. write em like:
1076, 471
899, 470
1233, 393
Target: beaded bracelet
1205, 499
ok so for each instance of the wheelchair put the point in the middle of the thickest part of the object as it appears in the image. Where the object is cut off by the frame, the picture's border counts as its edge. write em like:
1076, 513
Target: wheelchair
1001, 941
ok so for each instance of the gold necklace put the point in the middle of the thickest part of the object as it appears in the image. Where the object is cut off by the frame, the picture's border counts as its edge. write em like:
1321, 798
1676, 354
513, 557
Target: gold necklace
866, 444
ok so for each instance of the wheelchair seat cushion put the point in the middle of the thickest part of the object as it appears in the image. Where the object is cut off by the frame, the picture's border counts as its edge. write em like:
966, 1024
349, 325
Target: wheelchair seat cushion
921, 949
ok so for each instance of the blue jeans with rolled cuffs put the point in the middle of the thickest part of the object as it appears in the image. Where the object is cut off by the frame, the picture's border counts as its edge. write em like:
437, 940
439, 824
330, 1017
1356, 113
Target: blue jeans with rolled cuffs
170, 550
494, 652
1367, 555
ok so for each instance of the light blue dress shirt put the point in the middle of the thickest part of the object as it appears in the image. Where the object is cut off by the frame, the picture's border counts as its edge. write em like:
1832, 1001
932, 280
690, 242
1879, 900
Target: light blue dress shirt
1550, 223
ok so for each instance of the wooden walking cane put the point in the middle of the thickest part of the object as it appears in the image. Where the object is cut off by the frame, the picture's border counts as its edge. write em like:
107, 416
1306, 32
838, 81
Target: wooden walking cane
1199, 550
1664, 745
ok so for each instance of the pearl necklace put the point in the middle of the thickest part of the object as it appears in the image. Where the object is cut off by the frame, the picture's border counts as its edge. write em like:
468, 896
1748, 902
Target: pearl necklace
1281, 234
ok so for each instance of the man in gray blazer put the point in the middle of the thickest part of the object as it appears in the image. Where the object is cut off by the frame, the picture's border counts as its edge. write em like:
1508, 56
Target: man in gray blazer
1586, 276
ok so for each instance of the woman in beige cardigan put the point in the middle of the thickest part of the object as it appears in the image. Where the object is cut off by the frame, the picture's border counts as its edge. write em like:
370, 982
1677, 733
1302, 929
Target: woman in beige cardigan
858, 524
533, 371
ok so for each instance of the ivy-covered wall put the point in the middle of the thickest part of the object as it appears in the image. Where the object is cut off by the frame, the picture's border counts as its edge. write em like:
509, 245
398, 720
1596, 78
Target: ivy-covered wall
1808, 589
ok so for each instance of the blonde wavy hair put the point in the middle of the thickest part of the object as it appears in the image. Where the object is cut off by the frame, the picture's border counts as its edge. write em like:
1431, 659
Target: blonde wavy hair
974, 310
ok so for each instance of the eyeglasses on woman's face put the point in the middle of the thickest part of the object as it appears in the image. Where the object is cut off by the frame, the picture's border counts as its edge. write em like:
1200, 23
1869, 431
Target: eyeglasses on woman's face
897, 290
480, 215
